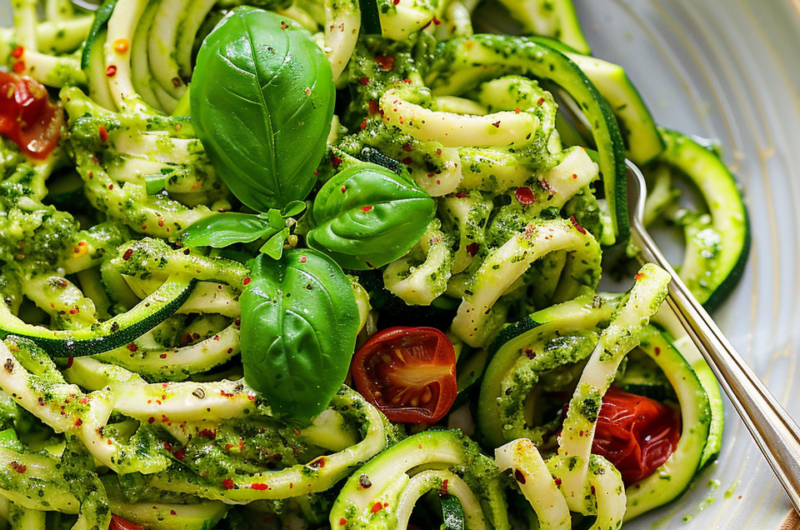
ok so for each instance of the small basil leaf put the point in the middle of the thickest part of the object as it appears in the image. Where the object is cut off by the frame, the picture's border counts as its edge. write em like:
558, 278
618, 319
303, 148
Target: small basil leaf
368, 216
265, 127
225, 229
294, 208
274, 247
298, 333
275, 219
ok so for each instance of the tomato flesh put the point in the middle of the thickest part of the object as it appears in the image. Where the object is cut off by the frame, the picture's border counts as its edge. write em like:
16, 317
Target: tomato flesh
408, 373
636, 434
27, 117
118, 523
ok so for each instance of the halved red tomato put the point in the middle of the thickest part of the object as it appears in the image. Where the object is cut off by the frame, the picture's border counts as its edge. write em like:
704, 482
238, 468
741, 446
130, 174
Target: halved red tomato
408, 373
27, 117
636, 434
118, 523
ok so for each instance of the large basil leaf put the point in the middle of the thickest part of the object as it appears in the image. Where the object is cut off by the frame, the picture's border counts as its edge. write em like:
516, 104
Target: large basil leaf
368, 216
224, 229
299, 326
262, 99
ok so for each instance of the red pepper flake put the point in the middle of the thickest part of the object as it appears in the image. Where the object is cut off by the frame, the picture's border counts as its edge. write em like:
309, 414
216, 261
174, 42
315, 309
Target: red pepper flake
111, 186
575, 176
283, 25
70, 361
336, 161
529, 353
19, 468
259, 486
408, 147
186, 338
558, 482
377, 506
462, 195
18, 52
473, 248
525, 195
163, 356
208, 433
19, 67
436, 21
519, 476
225, 394
541, 100
638, 276
497, 124
366, 209
344, 189
516, 110
407, 81
575, 223
173, 512
374, 107
84, 400
103, 133
364, 124
132, 347
658, 351
230, 351
247, 281
593, 490
228, 484
73, 311
78, 422
164, 419
151, 420
407, 161
317, 463
364, 80
395, 2
303, 259
386, 63
342, 521
228, 447
444, 487
180, 454
111, 71
167, 446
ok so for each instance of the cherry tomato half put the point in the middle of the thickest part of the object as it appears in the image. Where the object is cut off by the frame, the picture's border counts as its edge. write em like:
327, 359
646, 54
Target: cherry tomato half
27, 117
408, 373
118, 523
636, 434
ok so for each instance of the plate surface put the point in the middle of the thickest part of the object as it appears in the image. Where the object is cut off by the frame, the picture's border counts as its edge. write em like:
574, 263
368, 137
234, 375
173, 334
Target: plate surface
725, 69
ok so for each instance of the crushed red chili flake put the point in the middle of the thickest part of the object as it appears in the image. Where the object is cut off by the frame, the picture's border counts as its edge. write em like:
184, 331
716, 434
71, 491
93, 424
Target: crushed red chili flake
70, 360
577, 225
386, 63
593, 490
344, 189
366, 209
259, 486
363, 124
444, 487
73, 311
658, 351
516, 110
558, 482
208, 433
408, 147
377, 507
151, 420
496, 124
180, 455
519, 476
525, 195
19, 67
407, 81
18, 52
247, 281
303, 259
574, 175
407, 160
342, 521
173, 512
111, 71
132, 347
78, 422
336, 161
473, 248
639, 276
364, 80
163, 356
19, 468
283, 25
167, 446
317, 463
228, 484
395, 2
541, 100
374, 107
436, 21
103, 133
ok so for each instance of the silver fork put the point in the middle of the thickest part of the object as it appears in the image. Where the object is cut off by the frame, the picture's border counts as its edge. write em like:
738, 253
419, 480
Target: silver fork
776, 434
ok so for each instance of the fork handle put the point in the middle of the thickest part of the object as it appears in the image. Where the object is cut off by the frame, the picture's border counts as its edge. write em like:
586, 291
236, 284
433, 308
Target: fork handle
776, 434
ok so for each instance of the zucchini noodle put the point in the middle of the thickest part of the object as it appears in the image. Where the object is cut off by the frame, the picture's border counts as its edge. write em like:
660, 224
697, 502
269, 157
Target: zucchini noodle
122, 388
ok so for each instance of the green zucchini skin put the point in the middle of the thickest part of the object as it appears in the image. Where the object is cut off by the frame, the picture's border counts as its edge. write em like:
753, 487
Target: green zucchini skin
491, 53
101, 17
729, 217
106, 336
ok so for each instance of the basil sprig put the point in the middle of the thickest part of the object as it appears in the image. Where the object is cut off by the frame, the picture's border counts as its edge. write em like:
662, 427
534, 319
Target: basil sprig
298, 333
368, 216
262, 100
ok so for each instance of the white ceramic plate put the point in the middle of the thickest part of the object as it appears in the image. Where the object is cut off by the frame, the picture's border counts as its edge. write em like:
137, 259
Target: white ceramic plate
728, 69
725, 69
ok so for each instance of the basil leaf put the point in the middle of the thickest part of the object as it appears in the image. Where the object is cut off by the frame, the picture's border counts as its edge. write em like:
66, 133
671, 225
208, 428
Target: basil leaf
274, 247
225, 229
368, 216
265, 127
298, 333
